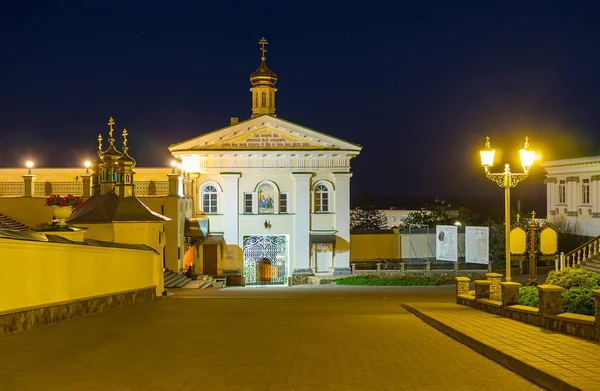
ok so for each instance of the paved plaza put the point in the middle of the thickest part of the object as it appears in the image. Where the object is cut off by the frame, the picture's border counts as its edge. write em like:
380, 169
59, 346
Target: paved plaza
299, 338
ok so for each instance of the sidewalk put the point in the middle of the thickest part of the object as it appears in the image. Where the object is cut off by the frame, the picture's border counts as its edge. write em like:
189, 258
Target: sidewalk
551, 360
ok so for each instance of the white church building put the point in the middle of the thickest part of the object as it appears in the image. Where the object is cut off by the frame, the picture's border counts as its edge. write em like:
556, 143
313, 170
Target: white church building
272, 198
573, 193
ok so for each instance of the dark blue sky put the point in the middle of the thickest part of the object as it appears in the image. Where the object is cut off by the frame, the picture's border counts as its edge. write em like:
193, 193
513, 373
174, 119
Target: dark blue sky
419, 86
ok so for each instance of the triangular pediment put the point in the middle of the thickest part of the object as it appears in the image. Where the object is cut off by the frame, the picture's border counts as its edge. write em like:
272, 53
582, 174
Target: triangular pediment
264, 133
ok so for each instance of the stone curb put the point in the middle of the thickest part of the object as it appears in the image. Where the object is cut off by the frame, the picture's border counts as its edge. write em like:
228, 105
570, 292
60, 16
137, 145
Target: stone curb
533, 374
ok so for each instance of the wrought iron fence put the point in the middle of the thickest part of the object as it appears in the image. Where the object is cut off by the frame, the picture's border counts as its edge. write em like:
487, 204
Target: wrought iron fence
63, 188
150, 188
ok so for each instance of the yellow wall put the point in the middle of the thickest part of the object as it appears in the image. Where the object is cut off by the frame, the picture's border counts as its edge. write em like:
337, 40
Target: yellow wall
375, 246
40, 273
31, 211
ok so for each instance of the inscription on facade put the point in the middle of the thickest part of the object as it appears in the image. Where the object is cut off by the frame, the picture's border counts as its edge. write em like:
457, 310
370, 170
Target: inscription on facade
265, 139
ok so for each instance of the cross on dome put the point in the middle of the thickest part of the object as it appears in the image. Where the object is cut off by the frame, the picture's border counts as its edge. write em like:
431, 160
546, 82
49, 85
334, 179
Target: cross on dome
263, 42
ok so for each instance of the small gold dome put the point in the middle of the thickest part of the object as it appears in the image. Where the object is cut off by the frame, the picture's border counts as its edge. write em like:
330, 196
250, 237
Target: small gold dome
263, 75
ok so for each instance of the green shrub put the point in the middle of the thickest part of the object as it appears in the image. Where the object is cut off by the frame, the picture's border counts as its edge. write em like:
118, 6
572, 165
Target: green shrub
579, 301
529, 296
373, 280
574, 278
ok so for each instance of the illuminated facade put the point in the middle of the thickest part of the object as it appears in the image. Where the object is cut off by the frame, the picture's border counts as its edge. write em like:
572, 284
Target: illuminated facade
573, 193
277, 192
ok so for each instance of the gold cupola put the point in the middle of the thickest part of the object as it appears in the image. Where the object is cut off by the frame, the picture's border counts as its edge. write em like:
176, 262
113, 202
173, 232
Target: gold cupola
263, 86
108, 180
126, 164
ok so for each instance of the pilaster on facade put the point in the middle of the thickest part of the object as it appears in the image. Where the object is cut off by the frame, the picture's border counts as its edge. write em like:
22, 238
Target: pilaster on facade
550, 195
301, 202
342, 222
229, 197
595, 195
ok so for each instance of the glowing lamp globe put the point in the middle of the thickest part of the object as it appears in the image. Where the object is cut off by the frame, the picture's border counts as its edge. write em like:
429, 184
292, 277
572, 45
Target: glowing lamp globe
527, 156
87, 164
487, 155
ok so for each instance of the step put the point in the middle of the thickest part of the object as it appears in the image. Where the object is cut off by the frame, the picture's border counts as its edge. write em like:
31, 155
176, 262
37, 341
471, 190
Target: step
183, 283
171, 278
173, 283
207, 284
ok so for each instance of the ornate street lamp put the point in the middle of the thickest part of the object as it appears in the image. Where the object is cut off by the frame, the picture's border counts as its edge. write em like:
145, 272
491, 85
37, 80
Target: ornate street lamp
507, 180
29, 165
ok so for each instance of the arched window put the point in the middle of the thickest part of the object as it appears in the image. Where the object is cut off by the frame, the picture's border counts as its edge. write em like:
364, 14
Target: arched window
264, 99
321, 198
209, 199
256, 99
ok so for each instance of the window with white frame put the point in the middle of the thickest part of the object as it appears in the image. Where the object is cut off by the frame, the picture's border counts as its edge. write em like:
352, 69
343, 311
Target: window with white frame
321, 198
283, 203
562, 191
248, 202
585, 191
209, 199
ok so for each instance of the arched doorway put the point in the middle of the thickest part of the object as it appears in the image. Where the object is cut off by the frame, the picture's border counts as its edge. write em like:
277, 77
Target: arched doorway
264, 271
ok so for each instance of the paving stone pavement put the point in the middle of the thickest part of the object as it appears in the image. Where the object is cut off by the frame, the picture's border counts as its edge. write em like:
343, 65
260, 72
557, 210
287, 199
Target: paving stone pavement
553, 360
299, 338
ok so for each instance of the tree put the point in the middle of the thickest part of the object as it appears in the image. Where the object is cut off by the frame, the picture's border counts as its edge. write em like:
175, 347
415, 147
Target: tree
367, 219
440, 213
366, 216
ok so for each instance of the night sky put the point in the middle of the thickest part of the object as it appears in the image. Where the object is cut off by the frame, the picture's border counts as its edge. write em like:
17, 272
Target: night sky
418, 86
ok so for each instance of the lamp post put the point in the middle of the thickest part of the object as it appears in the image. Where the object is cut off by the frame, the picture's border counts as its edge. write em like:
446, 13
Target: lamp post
29, 165
506, 180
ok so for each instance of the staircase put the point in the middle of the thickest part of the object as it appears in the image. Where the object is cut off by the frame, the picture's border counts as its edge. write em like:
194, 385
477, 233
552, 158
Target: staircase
11, 225
586, 256
175, 280
592, 264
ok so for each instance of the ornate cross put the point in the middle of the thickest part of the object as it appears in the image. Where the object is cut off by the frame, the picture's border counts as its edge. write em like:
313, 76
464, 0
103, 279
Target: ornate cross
533, 215
263, 42
125, 138
111, 122
99, 142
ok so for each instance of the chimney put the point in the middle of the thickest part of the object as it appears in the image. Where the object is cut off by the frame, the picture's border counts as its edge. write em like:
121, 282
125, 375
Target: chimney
234, 121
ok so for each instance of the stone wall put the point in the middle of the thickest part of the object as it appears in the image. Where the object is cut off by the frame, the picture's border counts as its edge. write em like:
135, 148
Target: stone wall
548, 316
29, 318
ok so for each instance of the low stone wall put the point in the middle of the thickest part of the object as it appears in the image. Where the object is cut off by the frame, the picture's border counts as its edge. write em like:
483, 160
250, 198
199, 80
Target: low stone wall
29, 318
549, 314
449, 274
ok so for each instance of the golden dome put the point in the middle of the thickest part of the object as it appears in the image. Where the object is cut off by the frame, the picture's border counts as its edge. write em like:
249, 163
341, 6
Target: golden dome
263, 75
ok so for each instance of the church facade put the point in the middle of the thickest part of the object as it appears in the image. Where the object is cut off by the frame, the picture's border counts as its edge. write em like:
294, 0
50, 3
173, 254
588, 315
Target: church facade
272, 198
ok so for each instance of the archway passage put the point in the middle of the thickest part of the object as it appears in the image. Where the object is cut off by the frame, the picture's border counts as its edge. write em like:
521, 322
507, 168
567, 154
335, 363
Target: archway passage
266, 259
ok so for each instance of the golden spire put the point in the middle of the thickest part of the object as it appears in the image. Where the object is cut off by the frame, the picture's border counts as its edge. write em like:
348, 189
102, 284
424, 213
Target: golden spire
263, 42
111, 122
99, 143
125, 140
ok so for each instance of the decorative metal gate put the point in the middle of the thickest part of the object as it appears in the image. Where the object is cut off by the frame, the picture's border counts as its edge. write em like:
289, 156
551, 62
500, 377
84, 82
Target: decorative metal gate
265, 259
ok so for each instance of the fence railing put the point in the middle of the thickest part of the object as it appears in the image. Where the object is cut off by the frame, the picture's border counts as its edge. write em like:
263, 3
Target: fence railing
581, 254
142, 188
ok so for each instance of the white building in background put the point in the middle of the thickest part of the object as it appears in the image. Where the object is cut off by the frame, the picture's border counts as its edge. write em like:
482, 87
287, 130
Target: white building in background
272, 198
572, 193
395, 217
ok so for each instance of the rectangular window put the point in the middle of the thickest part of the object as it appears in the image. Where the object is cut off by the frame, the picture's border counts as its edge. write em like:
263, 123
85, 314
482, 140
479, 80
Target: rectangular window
585, 191
248, 202
562, 192
283, 203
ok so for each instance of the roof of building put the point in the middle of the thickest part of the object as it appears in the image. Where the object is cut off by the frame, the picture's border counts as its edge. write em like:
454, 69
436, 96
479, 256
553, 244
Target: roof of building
34, 236
109, 207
